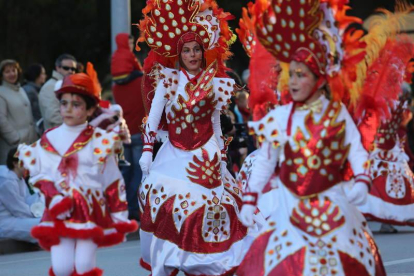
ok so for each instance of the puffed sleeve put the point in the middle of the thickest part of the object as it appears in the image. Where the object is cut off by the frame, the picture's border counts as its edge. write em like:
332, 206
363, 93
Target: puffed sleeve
55, 201
223, 90
357, 156
105, 143
268, 129
106, 146
28, 157
271, 139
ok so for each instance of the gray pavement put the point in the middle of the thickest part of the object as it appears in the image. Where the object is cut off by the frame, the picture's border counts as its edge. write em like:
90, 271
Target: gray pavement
397, 252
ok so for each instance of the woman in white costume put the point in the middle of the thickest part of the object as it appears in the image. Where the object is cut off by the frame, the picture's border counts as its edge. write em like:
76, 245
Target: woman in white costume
315, 229
190, 202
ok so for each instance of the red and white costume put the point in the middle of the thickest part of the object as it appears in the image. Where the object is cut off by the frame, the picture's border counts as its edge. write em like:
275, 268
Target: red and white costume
87, 181
189, 201
189, 207
75, 169
391, 199
313, 228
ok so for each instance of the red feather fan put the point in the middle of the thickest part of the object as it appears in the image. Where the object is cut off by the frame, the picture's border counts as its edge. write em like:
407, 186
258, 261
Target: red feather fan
383, 85
263, 81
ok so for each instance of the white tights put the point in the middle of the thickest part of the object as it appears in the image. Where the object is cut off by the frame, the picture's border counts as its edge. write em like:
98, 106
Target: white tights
73, 254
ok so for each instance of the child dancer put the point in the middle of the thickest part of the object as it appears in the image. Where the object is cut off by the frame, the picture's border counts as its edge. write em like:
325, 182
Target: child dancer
74, 167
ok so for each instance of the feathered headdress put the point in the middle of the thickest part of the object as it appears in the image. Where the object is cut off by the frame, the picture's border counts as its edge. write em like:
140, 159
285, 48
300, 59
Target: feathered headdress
167, 24
263, 67
314, 32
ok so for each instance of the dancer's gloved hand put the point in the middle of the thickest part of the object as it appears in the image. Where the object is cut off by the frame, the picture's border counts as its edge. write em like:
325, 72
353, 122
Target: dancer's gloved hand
358, 194
145, 162
247, 214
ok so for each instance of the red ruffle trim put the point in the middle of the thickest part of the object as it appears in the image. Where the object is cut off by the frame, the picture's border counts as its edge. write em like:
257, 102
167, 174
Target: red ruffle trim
94, 272
50, 235
64, 205
119, 236
51, 273
126, 227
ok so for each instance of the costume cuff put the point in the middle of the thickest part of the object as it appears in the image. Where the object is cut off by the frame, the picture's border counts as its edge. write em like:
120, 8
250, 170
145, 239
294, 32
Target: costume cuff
364, 178
250, 198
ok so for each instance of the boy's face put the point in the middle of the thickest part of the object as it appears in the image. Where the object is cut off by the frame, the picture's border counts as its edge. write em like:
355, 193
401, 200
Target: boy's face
73, 109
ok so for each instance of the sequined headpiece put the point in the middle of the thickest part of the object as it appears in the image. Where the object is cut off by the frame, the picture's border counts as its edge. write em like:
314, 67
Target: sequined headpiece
171, 22
286, 30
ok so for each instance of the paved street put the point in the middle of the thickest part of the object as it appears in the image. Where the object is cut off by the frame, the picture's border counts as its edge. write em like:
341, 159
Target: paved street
397, 252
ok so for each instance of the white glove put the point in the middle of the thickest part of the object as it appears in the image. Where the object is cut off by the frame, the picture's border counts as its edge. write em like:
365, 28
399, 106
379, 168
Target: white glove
56, 200
358, 194
37, 209
247, 214
145, 162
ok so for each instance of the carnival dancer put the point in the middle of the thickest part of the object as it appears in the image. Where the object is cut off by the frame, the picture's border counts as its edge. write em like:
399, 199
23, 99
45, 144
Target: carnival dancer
189, 200
315, 228
383, 109
391, 199
74, 166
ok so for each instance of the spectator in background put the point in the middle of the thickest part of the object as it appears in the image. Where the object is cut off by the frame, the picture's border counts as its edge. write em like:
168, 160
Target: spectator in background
35, 77
16, 119
241, 110
49, 105
19, 209
80, 67
127, 75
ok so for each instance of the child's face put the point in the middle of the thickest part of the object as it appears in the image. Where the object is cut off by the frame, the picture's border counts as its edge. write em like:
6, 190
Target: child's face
73, 109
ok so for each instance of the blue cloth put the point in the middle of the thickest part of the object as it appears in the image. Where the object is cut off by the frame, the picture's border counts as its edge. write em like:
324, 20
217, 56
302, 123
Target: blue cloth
133, 174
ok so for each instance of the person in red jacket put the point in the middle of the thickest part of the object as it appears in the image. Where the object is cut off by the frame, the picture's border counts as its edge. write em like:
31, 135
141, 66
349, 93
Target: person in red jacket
127, 75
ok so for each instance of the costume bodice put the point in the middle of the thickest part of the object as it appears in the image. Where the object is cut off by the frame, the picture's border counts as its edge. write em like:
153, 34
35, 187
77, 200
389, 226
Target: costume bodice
190, 106
312, 159
314, 164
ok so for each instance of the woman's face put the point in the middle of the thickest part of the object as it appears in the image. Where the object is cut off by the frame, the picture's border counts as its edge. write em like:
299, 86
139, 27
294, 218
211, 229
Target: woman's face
42, 77
73, 109
192, 57
301, 82
10, 74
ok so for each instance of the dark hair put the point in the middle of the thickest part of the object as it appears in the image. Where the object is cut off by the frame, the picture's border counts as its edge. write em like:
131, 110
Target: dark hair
10, 62
62, 57
90, 102
33, 72
11, 159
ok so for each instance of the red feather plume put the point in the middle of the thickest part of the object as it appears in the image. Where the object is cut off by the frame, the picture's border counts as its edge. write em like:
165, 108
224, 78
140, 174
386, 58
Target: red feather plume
383, 85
